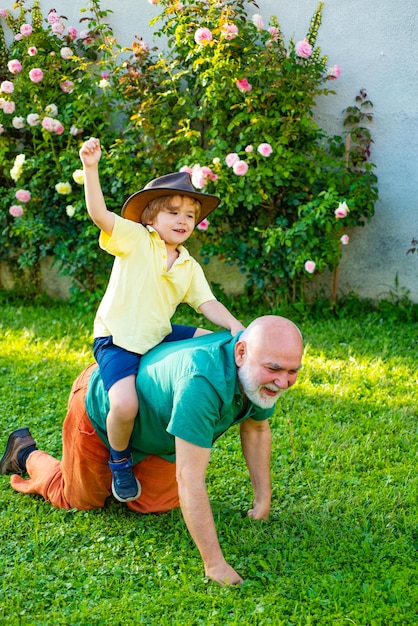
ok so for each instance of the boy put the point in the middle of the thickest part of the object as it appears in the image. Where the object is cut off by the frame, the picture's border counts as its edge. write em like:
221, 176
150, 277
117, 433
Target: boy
152, 274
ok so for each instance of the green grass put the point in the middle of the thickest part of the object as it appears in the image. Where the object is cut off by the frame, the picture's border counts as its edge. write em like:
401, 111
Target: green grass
340, 547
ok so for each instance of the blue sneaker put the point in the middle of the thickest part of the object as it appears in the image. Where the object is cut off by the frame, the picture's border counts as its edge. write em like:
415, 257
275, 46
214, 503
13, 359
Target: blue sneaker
125, 486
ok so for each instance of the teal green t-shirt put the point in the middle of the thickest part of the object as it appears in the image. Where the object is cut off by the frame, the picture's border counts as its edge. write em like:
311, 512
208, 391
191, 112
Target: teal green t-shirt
186, 389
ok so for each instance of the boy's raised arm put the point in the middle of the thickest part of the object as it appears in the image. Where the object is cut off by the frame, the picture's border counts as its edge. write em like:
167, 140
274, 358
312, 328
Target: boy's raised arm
90, 154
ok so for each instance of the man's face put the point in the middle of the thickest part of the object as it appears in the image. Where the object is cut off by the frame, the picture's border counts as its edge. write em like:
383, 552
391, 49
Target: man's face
266, 373
263, 396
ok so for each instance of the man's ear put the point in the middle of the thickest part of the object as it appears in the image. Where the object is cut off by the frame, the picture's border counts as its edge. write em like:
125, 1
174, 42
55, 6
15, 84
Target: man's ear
240, 352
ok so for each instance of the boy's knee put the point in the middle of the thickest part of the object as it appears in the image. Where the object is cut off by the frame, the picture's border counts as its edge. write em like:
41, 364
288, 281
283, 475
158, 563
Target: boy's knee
125, 410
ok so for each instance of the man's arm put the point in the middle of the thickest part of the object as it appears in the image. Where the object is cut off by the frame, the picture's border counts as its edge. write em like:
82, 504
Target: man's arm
256, 446
191, 462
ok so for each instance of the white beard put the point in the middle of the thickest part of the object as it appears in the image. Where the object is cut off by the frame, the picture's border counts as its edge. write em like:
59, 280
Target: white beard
254, 391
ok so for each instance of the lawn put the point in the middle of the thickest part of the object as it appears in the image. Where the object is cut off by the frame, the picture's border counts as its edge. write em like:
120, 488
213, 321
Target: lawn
340, 547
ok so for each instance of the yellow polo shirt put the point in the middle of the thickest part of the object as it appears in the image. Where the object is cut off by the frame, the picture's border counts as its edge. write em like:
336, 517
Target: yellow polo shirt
142, 296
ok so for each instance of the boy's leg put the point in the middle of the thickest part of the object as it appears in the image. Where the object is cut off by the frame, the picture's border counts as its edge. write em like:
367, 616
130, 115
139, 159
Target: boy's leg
118, 370
119, 425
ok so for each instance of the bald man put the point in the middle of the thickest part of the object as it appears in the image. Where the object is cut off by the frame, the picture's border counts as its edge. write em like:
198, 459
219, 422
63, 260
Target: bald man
189, 393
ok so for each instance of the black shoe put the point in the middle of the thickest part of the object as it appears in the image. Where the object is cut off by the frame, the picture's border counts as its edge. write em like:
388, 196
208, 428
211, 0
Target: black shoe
18, 441
125, 486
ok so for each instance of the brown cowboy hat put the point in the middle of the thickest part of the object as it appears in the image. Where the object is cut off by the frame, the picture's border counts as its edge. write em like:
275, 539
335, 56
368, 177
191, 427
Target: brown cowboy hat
177, 183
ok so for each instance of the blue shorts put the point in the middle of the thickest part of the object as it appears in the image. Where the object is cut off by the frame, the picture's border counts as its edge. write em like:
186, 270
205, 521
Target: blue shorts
116, 363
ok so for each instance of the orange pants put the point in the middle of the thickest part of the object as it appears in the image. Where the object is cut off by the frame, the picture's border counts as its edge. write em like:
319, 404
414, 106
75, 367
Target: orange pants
82, 480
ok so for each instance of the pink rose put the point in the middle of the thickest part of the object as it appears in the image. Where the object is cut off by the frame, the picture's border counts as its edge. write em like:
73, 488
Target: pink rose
334, 71
18, 37
265, 149
48, 124
310, 266
14, 66
23, 195
257, 21
53, 17
240, 168
229, 31
274, 33
207, 172
198, 178
341, 211
8, 106
203, 225
26, 30
345, 239
231, 159
153, 1
243, 85
249, 148
3, 13
32, 51
57, 28
303, 49
16, 210
141, 47
72, 33
18, 122
203, 36
36, 75
201, 175
7, 86
67, 86
187, 169
51, 110
66, 53
74, 131
52, 125
33, 119
58, 128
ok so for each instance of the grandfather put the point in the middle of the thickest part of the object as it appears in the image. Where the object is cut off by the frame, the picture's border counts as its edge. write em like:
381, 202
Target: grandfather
190, 392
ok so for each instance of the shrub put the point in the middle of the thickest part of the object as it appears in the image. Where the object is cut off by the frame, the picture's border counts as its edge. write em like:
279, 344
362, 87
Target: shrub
55, 85
227, 100
236, 108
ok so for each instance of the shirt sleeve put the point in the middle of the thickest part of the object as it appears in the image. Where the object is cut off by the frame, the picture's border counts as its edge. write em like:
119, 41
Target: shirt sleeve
125, 236
199, 290
196, 412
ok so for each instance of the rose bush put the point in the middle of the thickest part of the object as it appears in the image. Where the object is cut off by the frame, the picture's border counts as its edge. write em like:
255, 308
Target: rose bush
50, 101
226, 100
242, 106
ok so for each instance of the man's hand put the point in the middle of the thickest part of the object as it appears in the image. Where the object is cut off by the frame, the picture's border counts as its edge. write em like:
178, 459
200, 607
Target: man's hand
256, 445
259, 511
224, 575
191, 464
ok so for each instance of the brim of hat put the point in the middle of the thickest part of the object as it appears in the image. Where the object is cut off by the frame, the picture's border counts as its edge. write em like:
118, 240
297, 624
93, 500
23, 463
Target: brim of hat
135, 204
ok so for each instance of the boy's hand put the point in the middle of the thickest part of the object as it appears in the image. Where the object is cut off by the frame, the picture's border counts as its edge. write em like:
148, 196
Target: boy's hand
90, 152
236, 326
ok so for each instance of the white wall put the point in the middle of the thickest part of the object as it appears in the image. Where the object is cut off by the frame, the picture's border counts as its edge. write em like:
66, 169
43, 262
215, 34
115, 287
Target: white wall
374, 42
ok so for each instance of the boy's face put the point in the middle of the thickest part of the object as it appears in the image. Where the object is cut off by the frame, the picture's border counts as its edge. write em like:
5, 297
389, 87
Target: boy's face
175, 225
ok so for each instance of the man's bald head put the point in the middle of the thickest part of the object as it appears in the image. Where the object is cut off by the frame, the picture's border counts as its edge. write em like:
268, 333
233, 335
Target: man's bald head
268, 355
